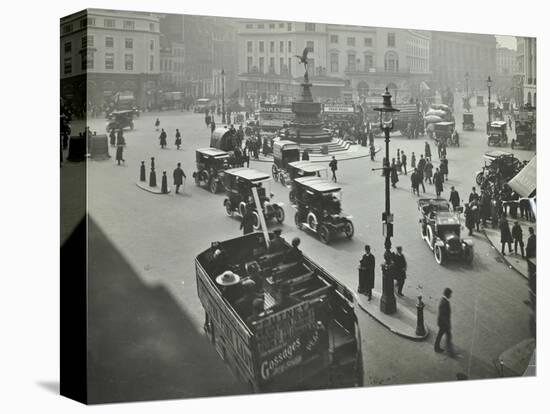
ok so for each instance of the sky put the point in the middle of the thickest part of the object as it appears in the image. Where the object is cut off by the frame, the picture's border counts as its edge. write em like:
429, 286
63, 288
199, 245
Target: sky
506, 41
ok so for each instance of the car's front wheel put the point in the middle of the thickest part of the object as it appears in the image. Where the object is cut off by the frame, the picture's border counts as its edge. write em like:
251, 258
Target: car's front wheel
324, 234
228, 208
213, 186
439, 255
349, 229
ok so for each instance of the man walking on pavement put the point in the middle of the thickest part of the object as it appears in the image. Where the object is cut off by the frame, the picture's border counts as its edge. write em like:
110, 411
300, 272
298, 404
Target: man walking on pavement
444, 323
179, 176
415, 182
333, 167
178, 139
420, 169
366, 273
531, 250
438, 181
517, 235
427, 150
404, 162
454, 198
413, 161
400, 269
505, 235
162, 138
428, 168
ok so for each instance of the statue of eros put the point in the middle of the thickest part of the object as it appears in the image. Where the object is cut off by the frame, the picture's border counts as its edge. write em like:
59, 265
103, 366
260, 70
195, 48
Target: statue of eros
303, 59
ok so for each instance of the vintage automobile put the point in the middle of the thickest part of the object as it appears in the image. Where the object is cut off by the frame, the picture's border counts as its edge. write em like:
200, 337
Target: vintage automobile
120, 120
318, 208
298, 169
496, 133
280, 322
468, 121
443, 131
498, 165
238, 183
211, 164
440, 229
284, 151
526, 129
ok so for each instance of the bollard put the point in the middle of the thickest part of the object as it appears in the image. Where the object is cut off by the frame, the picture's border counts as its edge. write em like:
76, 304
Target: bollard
420, 329
164, 185
387, 301
152, 163
153, 178
142, 172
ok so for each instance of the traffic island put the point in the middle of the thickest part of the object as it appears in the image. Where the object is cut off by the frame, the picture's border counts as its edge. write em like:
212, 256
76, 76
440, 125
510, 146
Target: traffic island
403, 322
154, 190
354, 152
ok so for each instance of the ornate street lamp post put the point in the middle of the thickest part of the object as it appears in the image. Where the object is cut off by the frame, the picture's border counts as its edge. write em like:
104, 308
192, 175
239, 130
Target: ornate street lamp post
387, 302
489, 84
223, 96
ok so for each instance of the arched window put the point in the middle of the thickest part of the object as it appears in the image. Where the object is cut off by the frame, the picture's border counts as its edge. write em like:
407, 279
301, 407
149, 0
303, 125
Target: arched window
391, 62
529, 98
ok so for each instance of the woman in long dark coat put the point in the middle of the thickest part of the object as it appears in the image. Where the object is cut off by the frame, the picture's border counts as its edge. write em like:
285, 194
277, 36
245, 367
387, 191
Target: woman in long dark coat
393, 173
119, 153
178, 139
505, 235
162, 138
438, 181
444, 167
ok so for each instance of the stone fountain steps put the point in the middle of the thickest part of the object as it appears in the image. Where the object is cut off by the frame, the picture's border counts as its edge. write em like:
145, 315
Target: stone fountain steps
335, 146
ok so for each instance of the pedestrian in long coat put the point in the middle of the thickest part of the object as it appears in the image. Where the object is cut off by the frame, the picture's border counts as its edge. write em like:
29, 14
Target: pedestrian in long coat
415, 182
438, 181
393, 173
469, 216
413, 161
178, 139
428, 171
454, 198
119, 153
444, 167
400, 269
444, 323
517, 235
427, 150
404, 162
333, 164
179, 176
157, 124
120, 138
505, 235
162, 138
366, 273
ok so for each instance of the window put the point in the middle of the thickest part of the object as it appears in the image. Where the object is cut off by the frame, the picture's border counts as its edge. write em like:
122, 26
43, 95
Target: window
309, 45
129, 62
128, 25
368, 41
68, 47
87, 60
289, 27
109, 61
272, 64
351, 62
249, 64
369, 62
281, 25
272, 47
391, 62
261, 46
83, 22
109, 23
67, 65
281, 65
249, 46
290, 66
152, 44
67, 28
333, 38
281, 46
151, 27
261, 65
91, 21
129, 43
289, 46
351, 41
109, 41
272, 26
84, 42
260, 26
90, 41
151, 63
391, 39
248, 26
310, 27
334, 62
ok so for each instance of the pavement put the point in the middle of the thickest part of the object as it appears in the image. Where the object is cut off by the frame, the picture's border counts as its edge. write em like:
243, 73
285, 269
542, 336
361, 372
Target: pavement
403, 322
159, 238
512, 260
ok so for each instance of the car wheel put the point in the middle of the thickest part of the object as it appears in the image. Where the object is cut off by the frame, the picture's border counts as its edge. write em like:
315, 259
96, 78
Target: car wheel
228, 209
349, 230
242, 208
292, 196
430, 235
439, 255
256, 222
275, 172
279, 215
324, 234
213, 186
298, 220
480, 178
312, 221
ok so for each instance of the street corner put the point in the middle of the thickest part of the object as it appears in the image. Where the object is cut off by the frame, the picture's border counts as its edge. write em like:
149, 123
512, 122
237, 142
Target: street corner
512, 260
515, 361
154, 190
403, 322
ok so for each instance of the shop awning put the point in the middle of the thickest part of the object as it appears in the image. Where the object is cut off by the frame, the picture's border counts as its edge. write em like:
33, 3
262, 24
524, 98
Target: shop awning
525, 182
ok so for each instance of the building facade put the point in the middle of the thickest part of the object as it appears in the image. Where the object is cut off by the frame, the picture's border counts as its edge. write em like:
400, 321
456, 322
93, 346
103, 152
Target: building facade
525, 79
104, 52
505, 70
458, 59
344, 62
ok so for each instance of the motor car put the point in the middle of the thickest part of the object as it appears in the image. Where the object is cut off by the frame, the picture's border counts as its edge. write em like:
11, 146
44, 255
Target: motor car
298, 169
496, 133
498, 164
468, 121
284, 151
120, 120
211, 164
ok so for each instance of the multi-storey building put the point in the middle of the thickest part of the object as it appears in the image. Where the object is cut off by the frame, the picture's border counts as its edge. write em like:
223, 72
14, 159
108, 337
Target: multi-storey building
525, 79
457, 56
172, 52
505, 70
344, 62
107, 51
